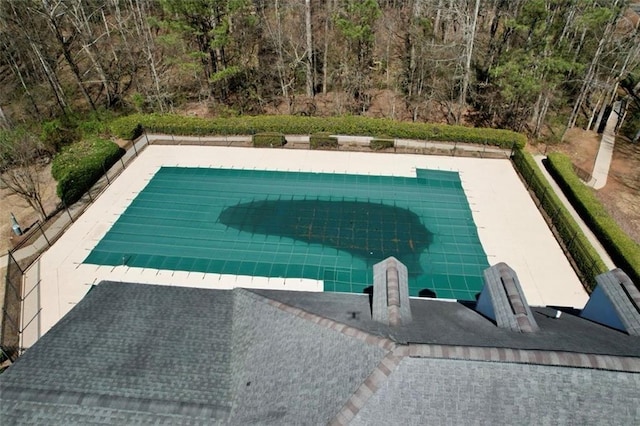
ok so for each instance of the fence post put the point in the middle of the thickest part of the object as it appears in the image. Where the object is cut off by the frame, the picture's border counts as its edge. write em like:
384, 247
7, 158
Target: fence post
571, 242
134, 142
14, 261
44, 235
541, 197
67, 210
105, 174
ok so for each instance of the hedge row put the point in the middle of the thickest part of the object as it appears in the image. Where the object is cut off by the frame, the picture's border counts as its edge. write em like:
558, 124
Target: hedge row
587, 260
128, 128
322, 140
378, 144
78, 166
269, 139
624, 252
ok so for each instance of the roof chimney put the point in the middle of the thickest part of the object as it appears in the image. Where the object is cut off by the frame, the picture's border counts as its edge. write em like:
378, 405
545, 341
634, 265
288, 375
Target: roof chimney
391, 293
502, 300
615, 302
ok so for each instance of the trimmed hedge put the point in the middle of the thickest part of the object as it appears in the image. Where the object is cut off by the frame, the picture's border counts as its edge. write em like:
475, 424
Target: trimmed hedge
586, 258
125, 127
269, 139
322, 140
80, 165
378, 144
624, 252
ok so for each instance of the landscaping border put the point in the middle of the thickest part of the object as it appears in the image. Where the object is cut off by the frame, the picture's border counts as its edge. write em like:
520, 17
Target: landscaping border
583, 256
623, 250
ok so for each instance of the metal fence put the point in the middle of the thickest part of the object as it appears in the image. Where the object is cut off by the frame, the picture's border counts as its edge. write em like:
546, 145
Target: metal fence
20, 325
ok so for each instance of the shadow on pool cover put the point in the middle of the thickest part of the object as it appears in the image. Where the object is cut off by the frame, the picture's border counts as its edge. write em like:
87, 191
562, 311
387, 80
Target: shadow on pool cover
371, 231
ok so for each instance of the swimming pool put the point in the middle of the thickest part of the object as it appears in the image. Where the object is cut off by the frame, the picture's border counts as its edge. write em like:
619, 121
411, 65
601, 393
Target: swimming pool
327, 226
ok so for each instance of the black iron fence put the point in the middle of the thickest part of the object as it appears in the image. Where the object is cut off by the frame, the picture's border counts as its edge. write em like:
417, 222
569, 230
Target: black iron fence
38, 238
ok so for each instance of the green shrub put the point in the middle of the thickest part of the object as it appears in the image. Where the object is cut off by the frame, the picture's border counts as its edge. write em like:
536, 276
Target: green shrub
378, 144
584, 255
124, 127
322, 140
269, 139
129, 127
59, 133
80, 165
624, 252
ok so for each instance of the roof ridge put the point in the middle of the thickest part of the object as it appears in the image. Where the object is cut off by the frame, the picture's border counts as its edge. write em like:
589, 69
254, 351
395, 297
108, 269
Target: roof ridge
522, 356
368, 388
471, 353
371, 339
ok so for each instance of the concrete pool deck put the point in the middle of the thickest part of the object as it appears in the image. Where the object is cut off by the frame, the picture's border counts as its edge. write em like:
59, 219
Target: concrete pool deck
510, 226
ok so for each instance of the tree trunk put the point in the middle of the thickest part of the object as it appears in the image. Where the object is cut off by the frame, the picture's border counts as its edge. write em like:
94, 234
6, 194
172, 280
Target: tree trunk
436, 21
593, 114
591, 72
4, 121
280, 66
587, 83
143, 29
470, 34
309, 53
52, 78
66, 52
82, 25
16, 70
325, 54
541, 115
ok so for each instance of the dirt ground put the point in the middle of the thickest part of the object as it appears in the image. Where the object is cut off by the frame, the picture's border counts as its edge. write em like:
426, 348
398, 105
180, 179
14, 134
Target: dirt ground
621, 194
26, 216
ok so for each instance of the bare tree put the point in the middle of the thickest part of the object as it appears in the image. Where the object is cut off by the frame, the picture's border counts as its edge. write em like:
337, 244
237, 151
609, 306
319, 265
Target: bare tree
20, 170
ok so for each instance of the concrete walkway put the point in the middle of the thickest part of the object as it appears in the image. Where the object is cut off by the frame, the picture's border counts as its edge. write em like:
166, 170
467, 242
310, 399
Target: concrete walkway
605, 152
583, 226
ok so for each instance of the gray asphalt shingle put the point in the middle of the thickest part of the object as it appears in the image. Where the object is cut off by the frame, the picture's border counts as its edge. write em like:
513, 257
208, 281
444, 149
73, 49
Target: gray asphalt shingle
131, 353
143, 354
132, 348
289, 370
430, 391
450, 323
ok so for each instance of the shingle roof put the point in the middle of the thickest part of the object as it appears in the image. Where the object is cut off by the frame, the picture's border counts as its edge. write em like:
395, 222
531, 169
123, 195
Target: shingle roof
125, 350
451, 323
129, 353
133, 353
431, 391
288, 370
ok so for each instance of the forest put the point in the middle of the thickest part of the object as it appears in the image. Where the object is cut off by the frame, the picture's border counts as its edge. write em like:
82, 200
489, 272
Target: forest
535, 66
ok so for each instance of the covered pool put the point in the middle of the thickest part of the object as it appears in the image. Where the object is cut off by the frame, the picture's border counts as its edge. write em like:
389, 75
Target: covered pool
325, 226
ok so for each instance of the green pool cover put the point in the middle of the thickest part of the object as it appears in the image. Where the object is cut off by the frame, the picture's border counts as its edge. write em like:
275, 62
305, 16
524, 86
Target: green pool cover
331, 227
